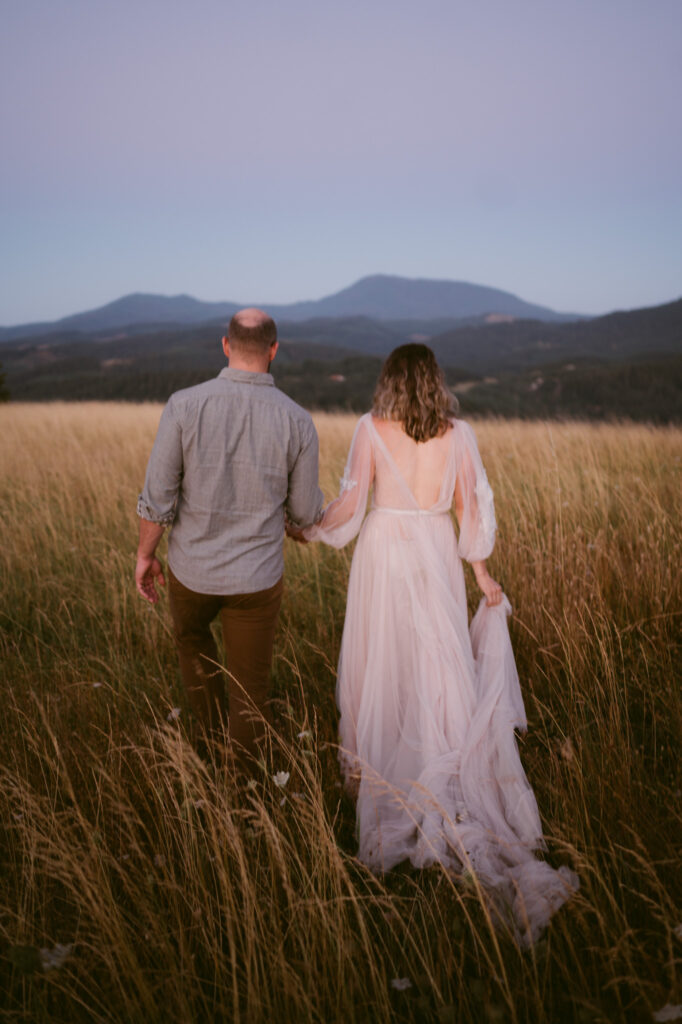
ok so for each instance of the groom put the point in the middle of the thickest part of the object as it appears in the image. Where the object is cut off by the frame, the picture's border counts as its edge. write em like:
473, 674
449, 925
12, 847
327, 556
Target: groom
232, 457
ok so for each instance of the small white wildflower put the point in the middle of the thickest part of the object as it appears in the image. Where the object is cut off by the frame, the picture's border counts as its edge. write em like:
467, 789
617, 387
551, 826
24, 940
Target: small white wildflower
678, 931
304, 734
96, 686
17, 815
280, 778
173, 714
125, 856
282, 801
52, 959
400, 984
669, 1012
567, 749
298, 796
252, 784
159, 860
198, 804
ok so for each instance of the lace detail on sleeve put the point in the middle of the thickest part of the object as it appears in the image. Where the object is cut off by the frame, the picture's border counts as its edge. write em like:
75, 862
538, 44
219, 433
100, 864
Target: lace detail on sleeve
347, 484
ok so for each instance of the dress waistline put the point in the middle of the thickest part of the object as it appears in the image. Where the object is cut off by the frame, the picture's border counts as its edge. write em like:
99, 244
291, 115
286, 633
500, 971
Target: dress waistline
408, 511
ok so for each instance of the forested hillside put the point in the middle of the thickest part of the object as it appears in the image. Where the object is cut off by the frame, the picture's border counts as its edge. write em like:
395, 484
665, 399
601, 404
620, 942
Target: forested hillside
625, 364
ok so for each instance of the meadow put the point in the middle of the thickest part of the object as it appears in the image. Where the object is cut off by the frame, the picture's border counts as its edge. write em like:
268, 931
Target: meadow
138, 883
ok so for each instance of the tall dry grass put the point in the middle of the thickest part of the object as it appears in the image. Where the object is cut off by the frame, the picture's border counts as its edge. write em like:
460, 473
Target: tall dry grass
176, 894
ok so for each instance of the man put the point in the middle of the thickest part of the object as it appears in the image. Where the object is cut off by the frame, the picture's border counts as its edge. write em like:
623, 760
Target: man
232, 457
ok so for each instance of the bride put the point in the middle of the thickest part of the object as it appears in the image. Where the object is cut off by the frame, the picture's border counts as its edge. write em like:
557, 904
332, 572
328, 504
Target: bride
428, 704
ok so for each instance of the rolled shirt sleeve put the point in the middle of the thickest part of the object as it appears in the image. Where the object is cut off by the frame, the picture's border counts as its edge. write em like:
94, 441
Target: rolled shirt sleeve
157, 502
305, 499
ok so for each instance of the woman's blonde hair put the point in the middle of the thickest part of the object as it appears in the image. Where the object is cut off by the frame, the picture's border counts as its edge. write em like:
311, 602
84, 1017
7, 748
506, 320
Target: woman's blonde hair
412, 389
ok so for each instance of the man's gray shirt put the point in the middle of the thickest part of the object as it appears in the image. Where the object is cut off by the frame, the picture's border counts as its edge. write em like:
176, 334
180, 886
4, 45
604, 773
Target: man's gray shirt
230, 457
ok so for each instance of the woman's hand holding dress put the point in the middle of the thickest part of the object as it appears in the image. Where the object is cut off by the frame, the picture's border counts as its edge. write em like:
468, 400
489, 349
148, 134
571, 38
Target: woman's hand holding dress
490, 587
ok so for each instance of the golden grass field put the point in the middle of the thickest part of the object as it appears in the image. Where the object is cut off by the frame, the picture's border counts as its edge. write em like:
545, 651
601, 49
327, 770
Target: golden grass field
174, 895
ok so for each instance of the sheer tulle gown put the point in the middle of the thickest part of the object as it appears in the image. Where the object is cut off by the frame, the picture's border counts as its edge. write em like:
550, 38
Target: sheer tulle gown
428, 704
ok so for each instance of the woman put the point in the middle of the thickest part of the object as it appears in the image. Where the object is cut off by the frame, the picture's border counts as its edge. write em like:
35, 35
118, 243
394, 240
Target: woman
428, 706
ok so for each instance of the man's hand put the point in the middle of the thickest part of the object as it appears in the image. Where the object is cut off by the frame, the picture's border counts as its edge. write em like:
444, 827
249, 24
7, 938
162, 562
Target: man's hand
148, 571
295, 532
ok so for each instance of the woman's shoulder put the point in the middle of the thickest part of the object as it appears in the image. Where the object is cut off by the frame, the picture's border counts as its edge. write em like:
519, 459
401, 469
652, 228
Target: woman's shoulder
461, 427
464, 436
362, 428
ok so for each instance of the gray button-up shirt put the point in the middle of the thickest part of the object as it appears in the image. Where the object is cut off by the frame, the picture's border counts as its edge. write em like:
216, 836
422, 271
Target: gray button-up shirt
230, 456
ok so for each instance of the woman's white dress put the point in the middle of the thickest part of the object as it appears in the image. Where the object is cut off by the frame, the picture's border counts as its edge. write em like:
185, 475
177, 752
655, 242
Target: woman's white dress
428, 704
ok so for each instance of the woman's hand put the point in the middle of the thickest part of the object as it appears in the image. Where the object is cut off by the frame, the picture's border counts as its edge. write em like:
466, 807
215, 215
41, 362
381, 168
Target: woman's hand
295, 532
490, 587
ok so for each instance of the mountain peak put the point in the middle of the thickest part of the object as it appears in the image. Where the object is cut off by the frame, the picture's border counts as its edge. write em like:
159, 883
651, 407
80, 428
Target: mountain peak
390, 297
379, 296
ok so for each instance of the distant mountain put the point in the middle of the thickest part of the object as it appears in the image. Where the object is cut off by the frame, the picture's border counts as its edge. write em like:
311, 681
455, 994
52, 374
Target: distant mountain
130, 311
386, 297
381, 296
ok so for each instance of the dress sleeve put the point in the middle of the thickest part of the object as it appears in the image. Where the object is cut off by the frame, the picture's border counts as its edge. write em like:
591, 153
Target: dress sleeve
342, 518
478, 526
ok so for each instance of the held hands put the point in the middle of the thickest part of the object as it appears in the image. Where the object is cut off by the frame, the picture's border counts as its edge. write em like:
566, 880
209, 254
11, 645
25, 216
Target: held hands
489, 586
295, 532
148, 571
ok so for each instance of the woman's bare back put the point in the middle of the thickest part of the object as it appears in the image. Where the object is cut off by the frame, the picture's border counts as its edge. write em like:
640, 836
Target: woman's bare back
421, 464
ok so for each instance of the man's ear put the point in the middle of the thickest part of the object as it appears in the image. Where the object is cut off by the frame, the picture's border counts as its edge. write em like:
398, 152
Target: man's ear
273, 350
226, 346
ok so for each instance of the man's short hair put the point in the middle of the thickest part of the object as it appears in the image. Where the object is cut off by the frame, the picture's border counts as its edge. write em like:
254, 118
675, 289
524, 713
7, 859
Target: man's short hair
257, 335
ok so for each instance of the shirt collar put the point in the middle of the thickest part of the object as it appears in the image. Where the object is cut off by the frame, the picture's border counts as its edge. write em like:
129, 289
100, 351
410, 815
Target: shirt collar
247, 376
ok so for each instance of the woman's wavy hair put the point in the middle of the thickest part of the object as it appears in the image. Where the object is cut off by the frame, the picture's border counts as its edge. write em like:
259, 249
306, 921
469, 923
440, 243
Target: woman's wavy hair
412, 389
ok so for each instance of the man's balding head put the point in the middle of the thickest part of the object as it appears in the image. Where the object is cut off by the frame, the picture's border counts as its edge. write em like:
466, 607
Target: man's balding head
252, 331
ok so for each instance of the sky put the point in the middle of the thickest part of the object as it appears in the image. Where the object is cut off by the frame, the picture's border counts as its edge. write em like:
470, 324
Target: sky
278, 150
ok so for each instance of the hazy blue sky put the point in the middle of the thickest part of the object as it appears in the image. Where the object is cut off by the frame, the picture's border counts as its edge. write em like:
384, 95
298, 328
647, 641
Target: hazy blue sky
274, 150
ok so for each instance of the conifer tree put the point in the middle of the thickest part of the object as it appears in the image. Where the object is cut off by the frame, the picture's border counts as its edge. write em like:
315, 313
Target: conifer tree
4, 393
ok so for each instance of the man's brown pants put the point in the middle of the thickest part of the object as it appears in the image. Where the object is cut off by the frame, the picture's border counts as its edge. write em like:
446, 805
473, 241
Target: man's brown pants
249, 622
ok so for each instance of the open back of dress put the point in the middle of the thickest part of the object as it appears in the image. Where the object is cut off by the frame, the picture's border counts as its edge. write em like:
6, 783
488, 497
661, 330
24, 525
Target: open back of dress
428, 704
